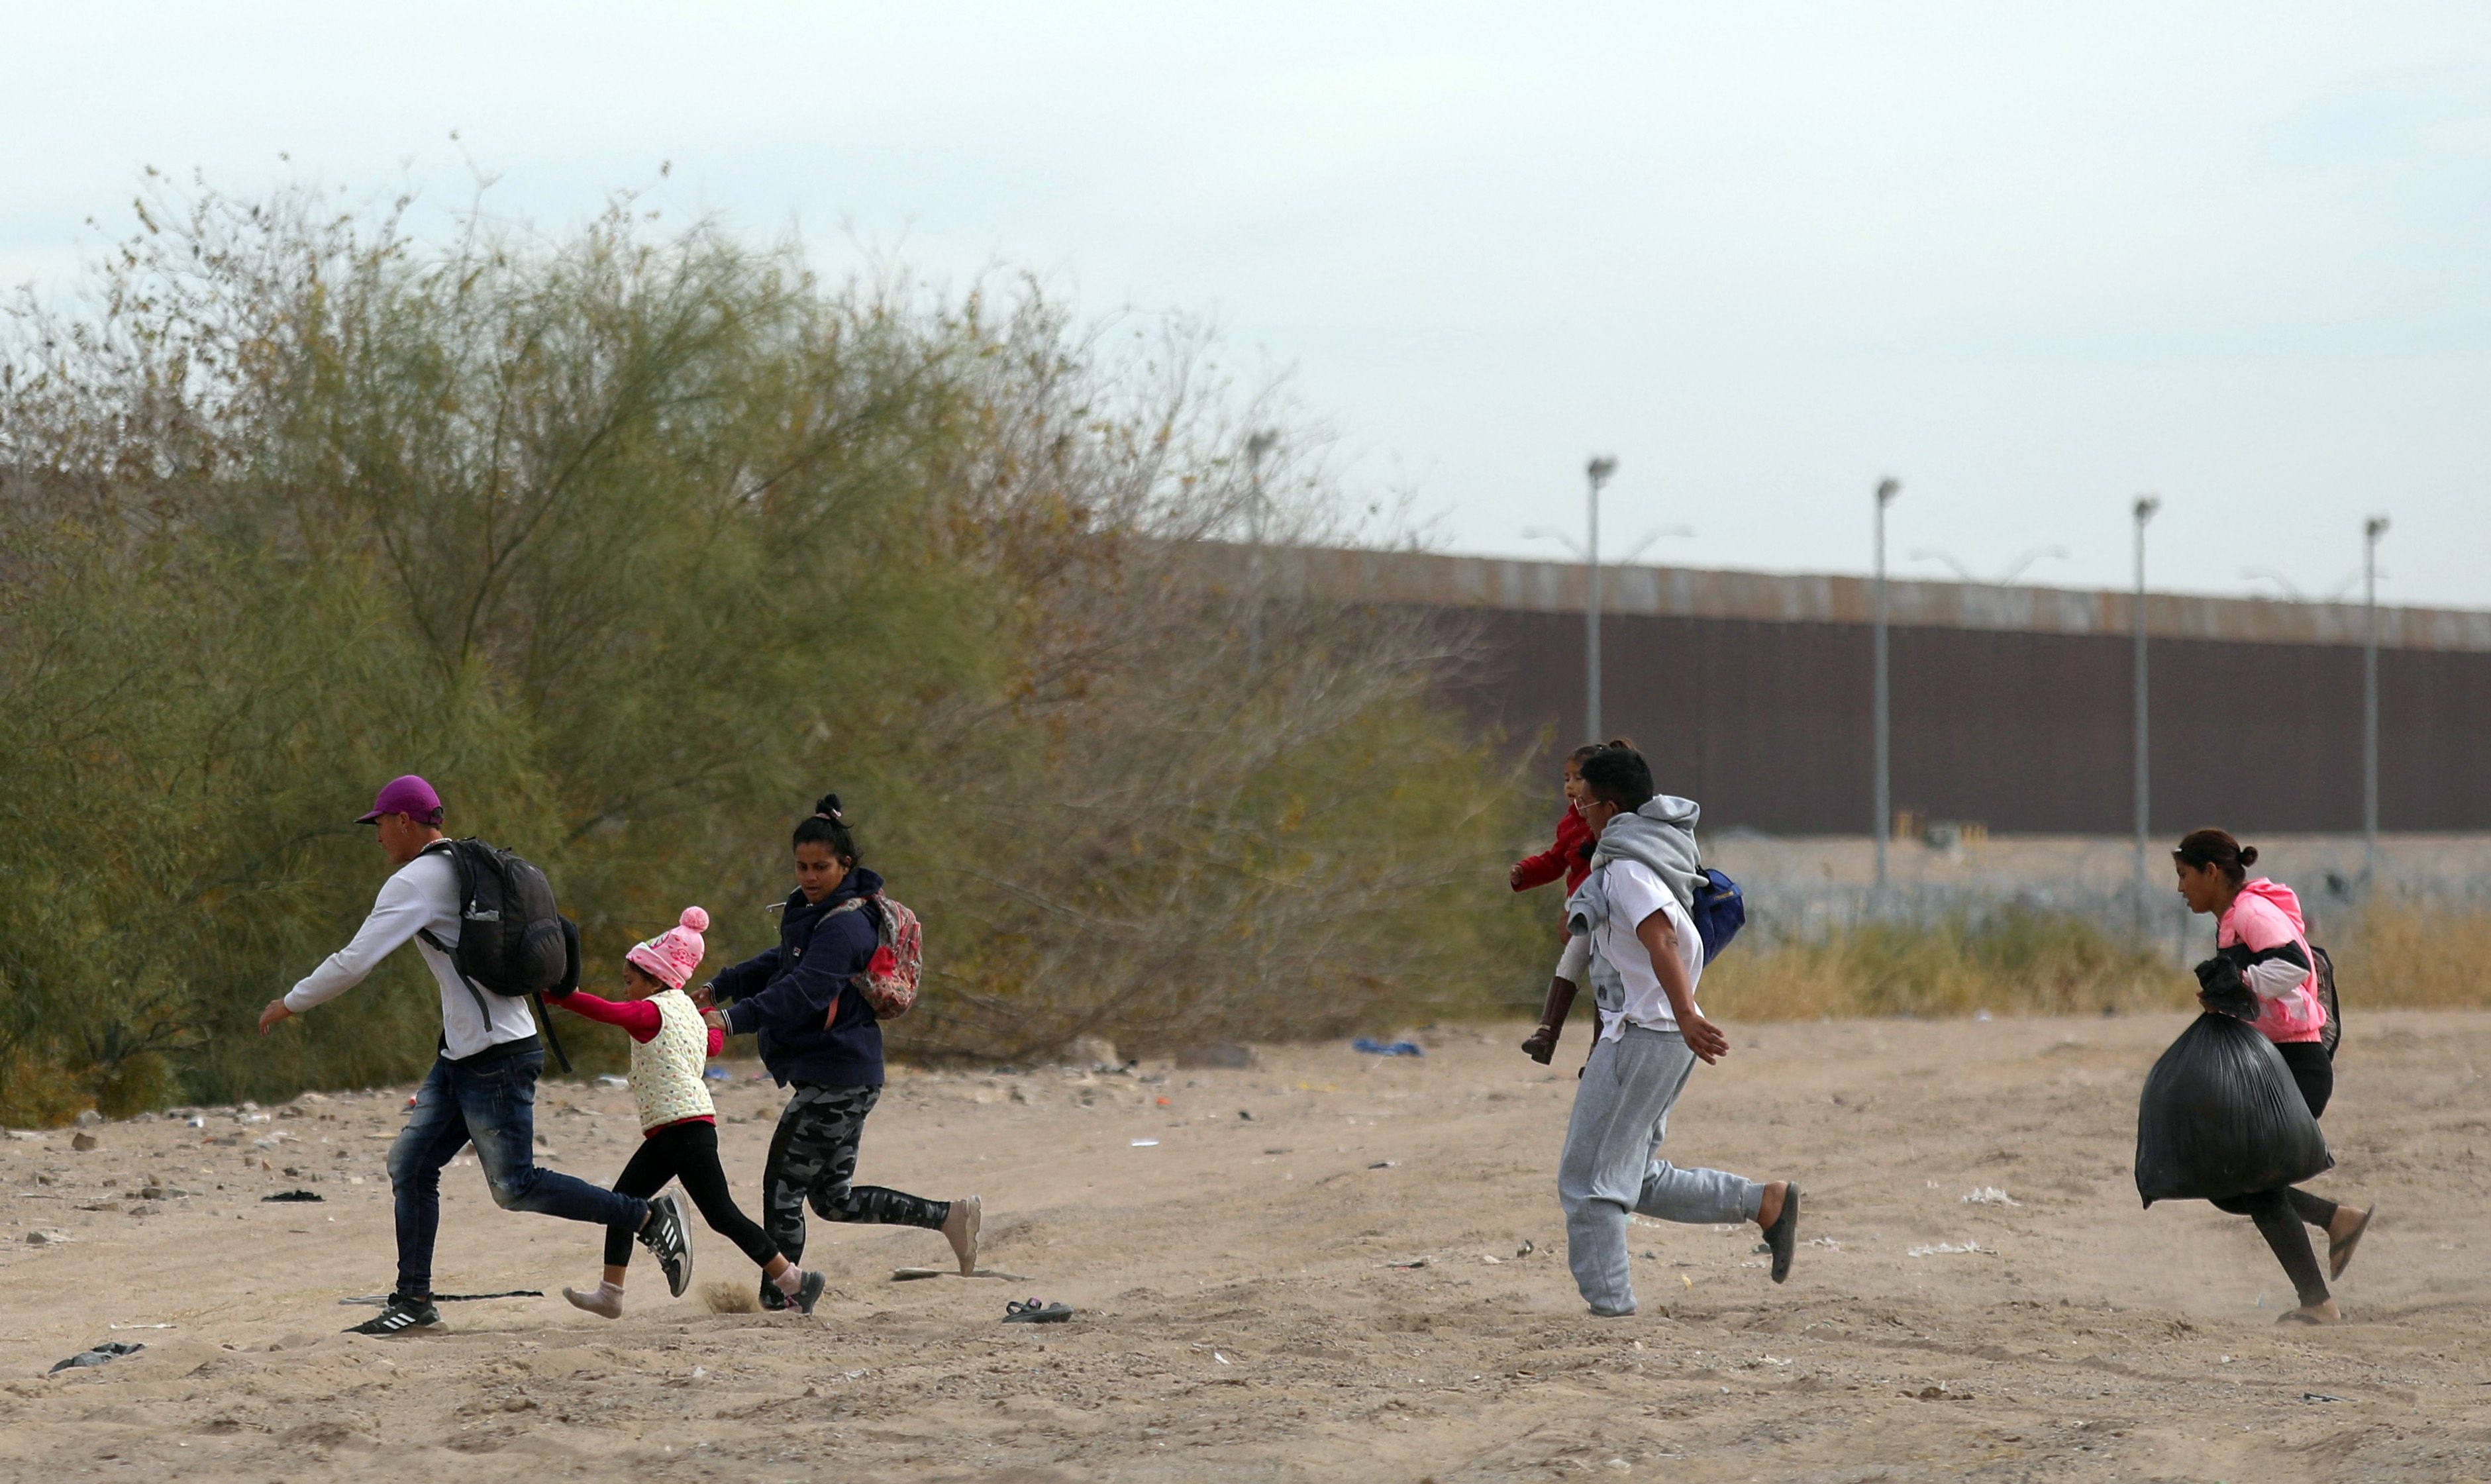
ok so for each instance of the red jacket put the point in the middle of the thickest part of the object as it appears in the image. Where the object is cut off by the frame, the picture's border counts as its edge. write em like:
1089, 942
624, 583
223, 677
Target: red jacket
1570, 856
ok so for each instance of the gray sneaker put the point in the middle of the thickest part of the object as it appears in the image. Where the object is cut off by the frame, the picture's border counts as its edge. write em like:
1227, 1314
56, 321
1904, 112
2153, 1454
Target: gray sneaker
810, 1292
667, 1236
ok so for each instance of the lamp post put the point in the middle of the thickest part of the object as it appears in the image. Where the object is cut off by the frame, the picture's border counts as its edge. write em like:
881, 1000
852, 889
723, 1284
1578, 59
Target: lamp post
1886, 491
2144, 508
1598, 471
2372, 529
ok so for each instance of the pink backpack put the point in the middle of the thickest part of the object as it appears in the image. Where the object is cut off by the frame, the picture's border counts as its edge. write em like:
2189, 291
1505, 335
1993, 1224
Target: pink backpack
889, 982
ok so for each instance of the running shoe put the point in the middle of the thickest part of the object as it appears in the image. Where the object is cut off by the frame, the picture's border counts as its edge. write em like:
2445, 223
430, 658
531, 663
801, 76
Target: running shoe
772, 1299
669, 1236
404, 1312
810, 1292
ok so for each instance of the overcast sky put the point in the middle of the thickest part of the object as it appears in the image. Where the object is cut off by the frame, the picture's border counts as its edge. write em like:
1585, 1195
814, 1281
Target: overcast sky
2030, 259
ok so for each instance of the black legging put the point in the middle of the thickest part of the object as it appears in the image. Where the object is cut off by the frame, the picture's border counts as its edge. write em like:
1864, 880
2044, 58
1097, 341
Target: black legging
688, 1152
2280, 1213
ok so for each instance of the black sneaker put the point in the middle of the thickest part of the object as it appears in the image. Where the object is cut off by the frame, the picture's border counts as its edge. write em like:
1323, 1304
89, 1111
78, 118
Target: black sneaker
810, 1292
772, 1299
404, 1312
669, 1236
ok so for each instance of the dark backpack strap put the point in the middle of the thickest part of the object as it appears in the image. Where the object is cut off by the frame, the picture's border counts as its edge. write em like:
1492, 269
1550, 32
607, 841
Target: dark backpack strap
852, 904
465, 867
544, 1028
561, 991
432, 941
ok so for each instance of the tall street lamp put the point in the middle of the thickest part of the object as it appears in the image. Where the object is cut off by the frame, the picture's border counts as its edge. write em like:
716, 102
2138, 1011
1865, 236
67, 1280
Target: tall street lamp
1886, 491
2372, 529
1598, 471
2146, 505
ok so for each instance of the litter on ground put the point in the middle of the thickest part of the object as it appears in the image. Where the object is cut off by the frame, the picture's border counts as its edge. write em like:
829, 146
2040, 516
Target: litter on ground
110, 1350
381, 1300
1375, 1048
912, 1274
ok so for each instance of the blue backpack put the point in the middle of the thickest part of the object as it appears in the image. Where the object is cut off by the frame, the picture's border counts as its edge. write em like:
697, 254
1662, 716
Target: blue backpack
1720, 910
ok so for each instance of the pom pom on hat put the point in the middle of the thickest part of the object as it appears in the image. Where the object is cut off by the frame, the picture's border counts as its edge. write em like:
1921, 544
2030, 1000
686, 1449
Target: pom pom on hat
672, 955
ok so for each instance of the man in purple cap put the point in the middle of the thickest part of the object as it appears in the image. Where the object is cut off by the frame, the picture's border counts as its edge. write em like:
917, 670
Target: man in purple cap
482, 1086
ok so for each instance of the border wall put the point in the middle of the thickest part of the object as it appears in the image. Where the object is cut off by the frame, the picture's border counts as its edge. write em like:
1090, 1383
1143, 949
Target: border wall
2012, 706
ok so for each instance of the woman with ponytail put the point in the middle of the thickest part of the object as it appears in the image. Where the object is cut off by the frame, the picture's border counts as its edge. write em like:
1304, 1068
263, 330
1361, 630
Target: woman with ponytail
670, 1051
2262, 946
819, 1034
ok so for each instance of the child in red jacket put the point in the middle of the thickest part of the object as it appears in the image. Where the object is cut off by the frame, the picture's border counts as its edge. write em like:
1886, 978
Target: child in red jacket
1570, 858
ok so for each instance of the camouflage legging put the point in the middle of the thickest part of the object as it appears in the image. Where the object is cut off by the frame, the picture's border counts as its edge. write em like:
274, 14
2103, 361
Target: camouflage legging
811, 1157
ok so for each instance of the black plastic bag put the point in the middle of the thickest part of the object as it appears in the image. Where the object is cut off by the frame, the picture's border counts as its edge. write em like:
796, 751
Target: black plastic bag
2222, 1116
2221, 988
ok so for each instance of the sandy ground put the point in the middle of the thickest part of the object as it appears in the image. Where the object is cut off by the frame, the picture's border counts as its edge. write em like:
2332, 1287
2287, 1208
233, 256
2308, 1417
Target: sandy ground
1247, 1307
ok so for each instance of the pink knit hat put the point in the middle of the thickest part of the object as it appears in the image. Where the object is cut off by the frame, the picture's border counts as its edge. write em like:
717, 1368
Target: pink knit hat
672, 955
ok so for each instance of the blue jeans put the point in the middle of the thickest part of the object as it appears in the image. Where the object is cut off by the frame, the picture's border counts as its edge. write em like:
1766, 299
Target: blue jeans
494, 1105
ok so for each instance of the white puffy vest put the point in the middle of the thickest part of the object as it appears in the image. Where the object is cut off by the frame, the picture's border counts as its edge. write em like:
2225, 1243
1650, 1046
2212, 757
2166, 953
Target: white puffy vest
666, 1068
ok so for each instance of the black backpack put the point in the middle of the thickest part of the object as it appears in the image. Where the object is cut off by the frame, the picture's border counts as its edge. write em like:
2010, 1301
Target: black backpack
512, 940
2335, 1031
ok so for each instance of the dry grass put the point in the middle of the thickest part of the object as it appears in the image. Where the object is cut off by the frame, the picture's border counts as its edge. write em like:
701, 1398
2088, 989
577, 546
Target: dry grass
2013, 961
2023, 962
2406, 955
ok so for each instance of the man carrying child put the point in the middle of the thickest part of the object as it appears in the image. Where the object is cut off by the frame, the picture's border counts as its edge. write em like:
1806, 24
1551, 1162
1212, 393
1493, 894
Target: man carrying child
1645, 960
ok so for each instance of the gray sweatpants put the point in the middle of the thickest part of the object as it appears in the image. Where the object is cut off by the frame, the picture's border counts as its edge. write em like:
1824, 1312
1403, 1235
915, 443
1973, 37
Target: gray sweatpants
1612, 1163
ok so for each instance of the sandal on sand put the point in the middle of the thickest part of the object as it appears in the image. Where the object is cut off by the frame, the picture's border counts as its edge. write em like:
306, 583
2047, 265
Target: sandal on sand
1783, 1235
2339, 1254
1035, 1311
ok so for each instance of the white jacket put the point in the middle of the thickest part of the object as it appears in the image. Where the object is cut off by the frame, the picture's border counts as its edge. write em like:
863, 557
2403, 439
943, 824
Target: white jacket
423, 894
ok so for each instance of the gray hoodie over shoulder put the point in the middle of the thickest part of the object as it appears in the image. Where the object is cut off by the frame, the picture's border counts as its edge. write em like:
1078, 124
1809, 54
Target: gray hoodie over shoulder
1660, 836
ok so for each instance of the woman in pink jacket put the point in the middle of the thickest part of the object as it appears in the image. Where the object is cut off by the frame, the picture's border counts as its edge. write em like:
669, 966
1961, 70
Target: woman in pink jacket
2258, 927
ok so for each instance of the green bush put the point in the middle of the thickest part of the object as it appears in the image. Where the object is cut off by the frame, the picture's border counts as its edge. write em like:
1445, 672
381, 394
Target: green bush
633, 543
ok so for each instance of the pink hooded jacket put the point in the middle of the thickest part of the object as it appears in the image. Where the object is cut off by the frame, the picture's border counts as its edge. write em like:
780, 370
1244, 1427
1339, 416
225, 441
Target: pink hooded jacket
2268, 915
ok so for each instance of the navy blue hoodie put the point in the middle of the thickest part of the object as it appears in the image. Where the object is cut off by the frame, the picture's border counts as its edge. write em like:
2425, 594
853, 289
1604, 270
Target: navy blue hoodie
790, 992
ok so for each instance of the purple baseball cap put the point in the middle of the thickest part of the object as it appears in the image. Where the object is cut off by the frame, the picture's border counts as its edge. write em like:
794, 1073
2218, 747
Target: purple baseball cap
408, 795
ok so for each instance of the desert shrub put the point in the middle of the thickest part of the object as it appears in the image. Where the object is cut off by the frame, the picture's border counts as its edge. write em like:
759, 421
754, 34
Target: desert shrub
633, 541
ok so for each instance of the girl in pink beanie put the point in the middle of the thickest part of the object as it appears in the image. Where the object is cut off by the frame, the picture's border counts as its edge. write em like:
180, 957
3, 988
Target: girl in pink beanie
670, 1049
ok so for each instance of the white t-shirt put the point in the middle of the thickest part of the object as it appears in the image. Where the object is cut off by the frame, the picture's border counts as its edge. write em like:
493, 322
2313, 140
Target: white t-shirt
1636, 893
423, 894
